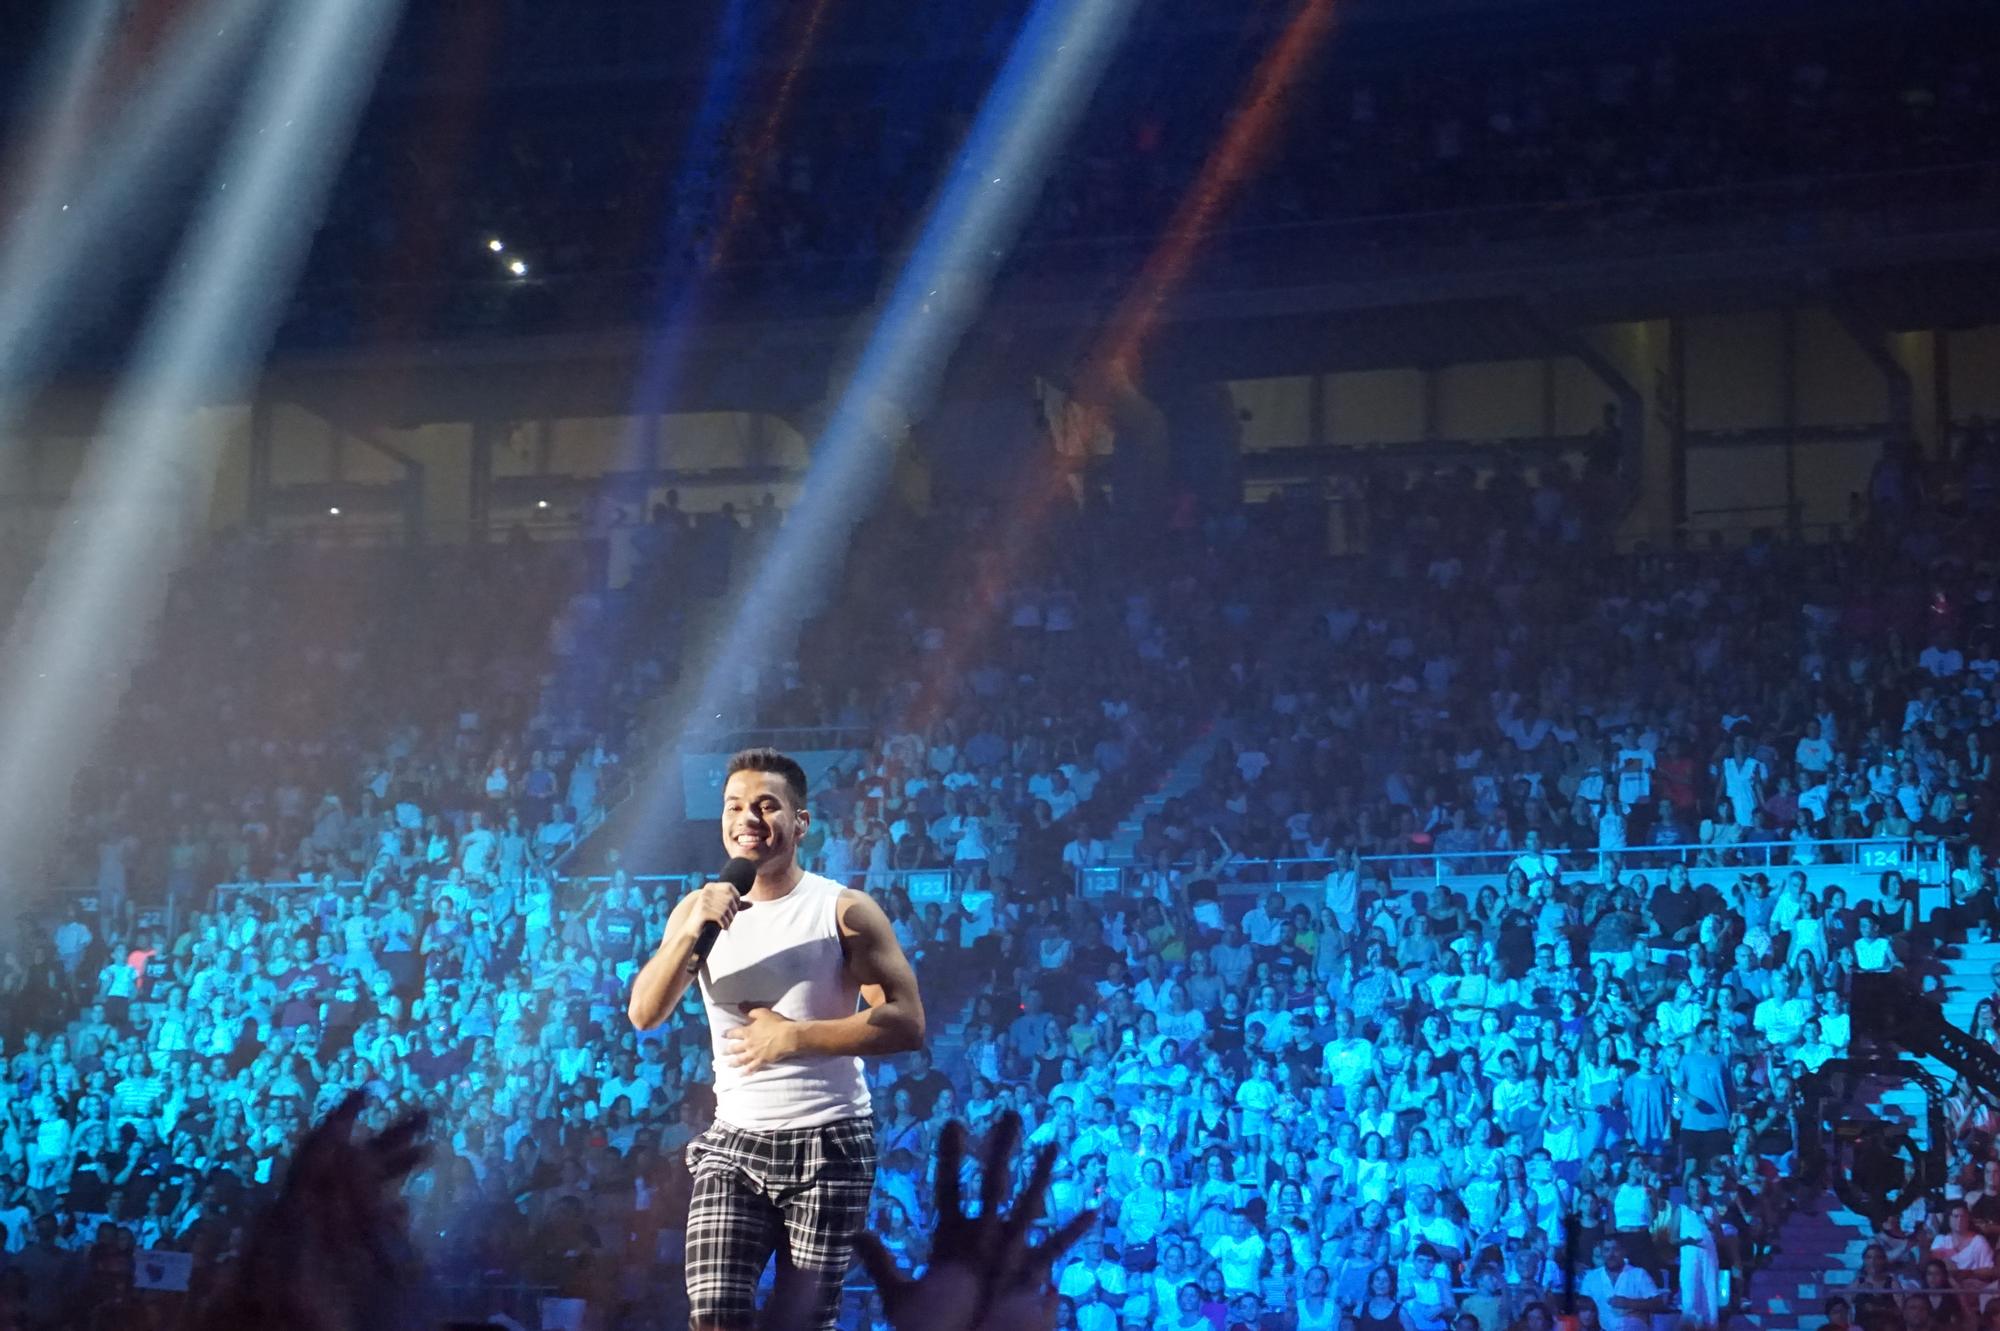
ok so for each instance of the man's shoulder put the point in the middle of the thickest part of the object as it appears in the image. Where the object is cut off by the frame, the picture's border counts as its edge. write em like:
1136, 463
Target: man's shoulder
819, 882
845, 898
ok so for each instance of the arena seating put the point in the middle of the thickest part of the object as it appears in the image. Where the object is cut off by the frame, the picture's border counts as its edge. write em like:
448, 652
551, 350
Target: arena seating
1399, 150
1353, 924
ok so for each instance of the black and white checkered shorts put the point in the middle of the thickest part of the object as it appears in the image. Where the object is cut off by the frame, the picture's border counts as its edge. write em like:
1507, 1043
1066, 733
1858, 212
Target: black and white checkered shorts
800, 1192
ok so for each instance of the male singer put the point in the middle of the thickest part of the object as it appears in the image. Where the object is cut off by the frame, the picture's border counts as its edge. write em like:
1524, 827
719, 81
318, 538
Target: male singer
789, 1163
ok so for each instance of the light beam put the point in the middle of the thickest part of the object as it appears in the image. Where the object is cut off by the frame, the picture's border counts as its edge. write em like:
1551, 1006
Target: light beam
64, 252
55, 127
1113, 363
1051, 70
70, 653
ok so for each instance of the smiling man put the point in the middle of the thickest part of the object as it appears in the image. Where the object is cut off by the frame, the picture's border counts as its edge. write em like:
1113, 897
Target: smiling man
804, 981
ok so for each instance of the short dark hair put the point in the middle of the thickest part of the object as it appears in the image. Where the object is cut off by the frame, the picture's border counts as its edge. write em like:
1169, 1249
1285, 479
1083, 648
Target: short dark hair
774, 762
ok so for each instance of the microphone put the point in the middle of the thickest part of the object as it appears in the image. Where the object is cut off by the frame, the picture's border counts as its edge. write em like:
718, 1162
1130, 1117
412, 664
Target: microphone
739, 873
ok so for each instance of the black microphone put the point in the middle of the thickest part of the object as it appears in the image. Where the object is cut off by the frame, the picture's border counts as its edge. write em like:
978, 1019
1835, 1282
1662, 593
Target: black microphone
739, 873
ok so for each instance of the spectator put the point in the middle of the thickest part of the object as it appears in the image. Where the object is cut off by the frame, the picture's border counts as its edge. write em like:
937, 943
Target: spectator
1332, 1092
1381, 1309
1627, 1292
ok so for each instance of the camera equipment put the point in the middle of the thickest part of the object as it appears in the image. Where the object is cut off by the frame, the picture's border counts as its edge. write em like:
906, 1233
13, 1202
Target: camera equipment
1873, 1165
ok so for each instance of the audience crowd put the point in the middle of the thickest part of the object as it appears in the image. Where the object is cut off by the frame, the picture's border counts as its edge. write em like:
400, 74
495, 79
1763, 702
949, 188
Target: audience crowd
315, 710
1301, 1095
1435, 939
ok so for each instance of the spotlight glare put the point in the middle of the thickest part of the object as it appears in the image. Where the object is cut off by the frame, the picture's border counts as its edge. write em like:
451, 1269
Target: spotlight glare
91, 177
334, 511
541, 503
96, 596
1048, 76
517, 268
496, 244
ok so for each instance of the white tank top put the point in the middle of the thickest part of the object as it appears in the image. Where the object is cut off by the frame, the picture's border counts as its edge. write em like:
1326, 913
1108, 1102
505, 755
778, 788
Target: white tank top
1327, 1318
786, 954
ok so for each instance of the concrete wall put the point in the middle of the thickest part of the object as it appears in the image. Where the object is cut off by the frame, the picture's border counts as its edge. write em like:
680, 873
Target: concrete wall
1974, 357
1763, 371
310, 453
1760, 374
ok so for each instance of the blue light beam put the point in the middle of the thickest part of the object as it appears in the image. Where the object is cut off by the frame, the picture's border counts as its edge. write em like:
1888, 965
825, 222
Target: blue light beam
68, 243
63, 84
70, 652
1051, 71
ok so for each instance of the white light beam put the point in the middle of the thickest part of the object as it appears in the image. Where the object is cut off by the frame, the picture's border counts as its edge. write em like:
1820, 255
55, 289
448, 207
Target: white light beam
71, 651
1051, 71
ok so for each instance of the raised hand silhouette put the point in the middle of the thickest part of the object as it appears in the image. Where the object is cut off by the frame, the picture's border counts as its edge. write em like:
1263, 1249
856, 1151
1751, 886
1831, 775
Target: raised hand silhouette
332, 1252
984, 1274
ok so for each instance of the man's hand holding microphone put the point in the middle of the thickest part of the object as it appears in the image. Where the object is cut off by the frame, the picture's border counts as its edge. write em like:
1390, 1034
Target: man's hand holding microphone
717, 904
691, 931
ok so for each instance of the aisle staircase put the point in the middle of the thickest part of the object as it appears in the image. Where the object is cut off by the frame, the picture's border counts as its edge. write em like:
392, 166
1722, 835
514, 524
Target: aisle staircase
1180, 779
1819, 1254
1820, 1246
1968, 978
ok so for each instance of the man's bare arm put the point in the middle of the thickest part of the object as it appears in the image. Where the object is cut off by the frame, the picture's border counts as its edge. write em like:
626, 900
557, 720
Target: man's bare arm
893, 1022
658, 987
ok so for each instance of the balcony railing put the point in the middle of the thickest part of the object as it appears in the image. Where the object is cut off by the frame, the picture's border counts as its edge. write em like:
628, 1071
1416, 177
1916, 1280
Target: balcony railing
1865, 857
1869, 855
922, 885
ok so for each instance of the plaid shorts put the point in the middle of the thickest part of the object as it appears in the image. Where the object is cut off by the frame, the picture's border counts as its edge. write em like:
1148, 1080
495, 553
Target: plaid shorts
800, 1192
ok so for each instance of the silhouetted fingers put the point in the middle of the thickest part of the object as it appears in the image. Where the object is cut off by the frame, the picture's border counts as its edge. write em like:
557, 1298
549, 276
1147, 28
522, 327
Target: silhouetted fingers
323, 1149
400, 1164
994, 1173
879, 1265
1028, 1206
1041, 1259
397, 1141
341, 1117
950, 1163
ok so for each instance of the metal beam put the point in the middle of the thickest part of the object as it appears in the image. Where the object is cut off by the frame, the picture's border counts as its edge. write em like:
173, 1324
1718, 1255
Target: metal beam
257, 503
1873, 342
1805, 436
1631, 405
1941, 387
369, 436
1674, 408
1338, 459
1788, 408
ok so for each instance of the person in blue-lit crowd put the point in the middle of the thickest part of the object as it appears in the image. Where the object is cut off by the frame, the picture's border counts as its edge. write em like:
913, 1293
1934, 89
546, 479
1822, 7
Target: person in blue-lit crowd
1525, 1036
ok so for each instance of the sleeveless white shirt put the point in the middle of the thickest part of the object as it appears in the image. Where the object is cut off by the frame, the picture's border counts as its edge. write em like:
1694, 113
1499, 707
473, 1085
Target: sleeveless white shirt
784, 954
